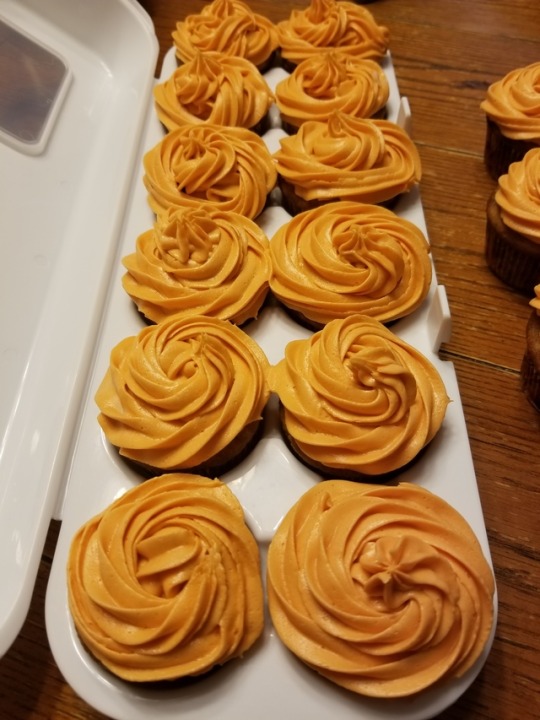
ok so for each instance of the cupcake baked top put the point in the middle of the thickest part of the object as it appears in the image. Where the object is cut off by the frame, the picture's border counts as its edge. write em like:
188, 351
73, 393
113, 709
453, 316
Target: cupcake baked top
228, 168
213, 88
358, 398
328, 25
165, 582
344, 258
513, 103
228, 26
518, 196
181, 391
329, 82
199, 262
348, 158
384, 590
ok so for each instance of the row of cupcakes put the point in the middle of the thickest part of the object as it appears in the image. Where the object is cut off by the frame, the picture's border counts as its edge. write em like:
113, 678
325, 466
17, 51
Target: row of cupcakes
166, 582
512, 159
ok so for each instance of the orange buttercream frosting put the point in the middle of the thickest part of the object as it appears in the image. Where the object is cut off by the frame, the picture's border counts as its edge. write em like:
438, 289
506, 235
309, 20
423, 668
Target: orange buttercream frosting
332, 82
228, 168
382, 589
166, 583
213, 88
358, 398
199, 262
518, 196
535, 302
228, 26
344, 258
181, 391
513, 103
328, 25
348, 158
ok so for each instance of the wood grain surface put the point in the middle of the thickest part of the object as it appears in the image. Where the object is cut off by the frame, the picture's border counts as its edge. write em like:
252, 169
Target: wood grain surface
446, 53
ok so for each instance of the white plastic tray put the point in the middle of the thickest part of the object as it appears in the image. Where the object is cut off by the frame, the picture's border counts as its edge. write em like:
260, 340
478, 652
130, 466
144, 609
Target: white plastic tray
268, 683
63, 202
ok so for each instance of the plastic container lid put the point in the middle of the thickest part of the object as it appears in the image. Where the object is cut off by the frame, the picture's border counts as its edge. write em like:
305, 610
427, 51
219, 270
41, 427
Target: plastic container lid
75, 83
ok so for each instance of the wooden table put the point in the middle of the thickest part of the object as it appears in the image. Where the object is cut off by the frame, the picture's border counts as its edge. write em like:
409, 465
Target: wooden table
446, 53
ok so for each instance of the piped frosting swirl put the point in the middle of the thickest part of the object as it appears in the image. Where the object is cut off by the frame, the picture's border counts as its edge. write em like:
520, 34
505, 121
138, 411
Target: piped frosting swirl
165, 582
358, 398
518, 196
228, 26
327, 25
227, 168
199, 262
181, 391
344, 258
513, 103
330, 82
348, 158
383, 590
213, 88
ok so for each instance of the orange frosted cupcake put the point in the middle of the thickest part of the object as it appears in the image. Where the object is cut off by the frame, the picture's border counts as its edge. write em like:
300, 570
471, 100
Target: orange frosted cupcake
346, 158
184, 395
228, 26
512, 108
327, 25
357, 401
207, 165
530, 366
383, 590
513, 225
330, 82
346, 258
214, 88
199, 262
165, 583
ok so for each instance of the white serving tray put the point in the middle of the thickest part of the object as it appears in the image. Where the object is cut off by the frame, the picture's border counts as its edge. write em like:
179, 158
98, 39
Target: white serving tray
268, 682
63, 202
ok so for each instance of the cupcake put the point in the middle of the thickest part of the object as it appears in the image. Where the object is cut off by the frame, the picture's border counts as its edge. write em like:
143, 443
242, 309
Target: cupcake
326, 25
347, 258
512, 108
207, 165
186, 394
357, 402
530, 366
214, 88
513, 225
346, 158
228, 26
330, 82
165, 583
199, 262
383, 590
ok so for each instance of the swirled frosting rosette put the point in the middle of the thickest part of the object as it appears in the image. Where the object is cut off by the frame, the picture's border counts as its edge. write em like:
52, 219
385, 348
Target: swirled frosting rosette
228, 26
185, 394
345, 258
213, 88
327, 25
357, 401
512, 109
333, 81
518, 196
165, 583
199, 262
347, 158
513, 225
383, 590
513, 103
227, 168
